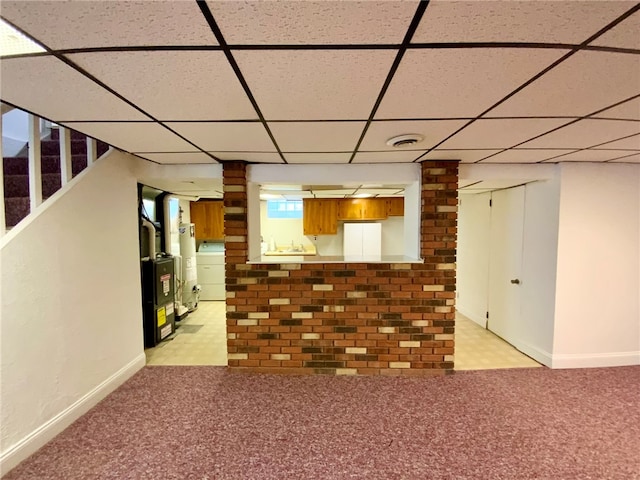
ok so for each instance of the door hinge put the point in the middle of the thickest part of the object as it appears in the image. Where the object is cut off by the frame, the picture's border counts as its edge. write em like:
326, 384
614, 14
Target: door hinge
487, 316
491, 202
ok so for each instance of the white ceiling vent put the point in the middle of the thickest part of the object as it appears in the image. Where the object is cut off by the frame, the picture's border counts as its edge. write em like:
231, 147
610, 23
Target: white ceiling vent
405, 140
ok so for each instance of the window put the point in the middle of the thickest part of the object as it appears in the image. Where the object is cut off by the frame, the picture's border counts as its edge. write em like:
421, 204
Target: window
284, 209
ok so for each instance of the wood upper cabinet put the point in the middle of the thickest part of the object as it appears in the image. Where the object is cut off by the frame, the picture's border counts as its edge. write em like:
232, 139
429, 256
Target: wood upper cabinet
319, 216
395, 206
208, 217
362, 209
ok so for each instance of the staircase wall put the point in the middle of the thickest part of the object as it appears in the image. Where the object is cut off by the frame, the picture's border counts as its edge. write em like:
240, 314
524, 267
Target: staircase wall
70, 306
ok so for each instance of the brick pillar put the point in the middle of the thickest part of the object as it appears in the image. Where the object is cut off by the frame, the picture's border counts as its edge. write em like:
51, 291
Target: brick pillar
345, 318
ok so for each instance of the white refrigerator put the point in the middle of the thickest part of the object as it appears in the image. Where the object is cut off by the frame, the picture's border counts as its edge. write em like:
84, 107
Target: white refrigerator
362, 240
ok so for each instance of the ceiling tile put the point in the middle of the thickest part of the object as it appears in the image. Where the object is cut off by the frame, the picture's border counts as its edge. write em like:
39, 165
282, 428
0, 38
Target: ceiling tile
589, 156
134, 137
433, 132
110, 24
500, 133
178, 157
630, 110
317, 157
177, 85
316, 136
258, 157
42, 85
458, 82
315, 22
524, 156
586, 133
317, 84
635, 158
505, 21
630, 143
400, 156
581, 85
226, 136
624, 35
464, 156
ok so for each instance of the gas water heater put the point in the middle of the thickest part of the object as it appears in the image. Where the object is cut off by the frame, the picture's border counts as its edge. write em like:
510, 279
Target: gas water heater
190, 287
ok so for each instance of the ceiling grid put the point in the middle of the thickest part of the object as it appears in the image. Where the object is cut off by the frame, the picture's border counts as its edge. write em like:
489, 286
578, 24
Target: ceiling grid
327, 82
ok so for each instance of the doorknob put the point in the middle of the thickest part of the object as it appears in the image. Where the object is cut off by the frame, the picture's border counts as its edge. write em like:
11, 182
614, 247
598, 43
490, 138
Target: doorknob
515, 281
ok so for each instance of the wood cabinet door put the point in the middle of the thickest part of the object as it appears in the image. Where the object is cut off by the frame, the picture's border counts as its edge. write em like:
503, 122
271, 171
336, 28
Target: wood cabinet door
395, 206
208, 217
215, 212
319, 216
199, 219
374, 209
350, 209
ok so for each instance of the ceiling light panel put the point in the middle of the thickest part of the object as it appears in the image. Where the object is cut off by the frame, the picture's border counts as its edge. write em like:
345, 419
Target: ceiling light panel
589, 156
316, 136
319, 158
433, 132
525, 156
630, 110
623, 35
549, 22
499, 133
586, 133
313, 22
42, 85
316, 84
178, 157
177, 85
402, 156
13, 42
110, 24
134, 137
458, 82
258, 157
226, 136
464, 156
581, 85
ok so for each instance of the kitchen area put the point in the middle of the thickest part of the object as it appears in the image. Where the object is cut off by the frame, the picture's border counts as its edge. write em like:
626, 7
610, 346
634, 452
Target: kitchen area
330, 224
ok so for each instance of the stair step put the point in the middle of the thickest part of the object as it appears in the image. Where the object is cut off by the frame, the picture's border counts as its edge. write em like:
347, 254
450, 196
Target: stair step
18, 185
15, 210
75, 135
50, 164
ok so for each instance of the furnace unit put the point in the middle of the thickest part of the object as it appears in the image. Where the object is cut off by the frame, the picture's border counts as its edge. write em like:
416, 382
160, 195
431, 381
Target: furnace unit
158, 299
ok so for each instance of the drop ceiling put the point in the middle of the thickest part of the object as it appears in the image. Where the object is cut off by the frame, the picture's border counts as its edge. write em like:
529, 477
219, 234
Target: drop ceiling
329, 82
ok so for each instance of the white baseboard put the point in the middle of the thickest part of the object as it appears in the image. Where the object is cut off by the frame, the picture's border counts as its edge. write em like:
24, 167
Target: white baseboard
540, 356
480, 319
594, 360
43, 434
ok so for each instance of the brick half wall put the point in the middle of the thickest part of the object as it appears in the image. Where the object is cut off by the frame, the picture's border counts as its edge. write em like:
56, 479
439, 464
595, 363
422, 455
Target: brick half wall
345, 318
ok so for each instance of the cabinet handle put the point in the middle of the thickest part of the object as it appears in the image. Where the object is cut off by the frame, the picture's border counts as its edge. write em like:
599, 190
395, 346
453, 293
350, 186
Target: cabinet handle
515, 281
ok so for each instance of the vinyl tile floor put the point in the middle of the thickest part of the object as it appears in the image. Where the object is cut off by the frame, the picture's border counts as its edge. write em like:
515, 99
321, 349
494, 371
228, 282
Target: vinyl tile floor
477, 348
201, 339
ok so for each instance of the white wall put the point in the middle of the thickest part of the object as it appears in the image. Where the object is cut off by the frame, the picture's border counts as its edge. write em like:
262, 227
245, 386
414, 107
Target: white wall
70, 313
597, 311
474, 216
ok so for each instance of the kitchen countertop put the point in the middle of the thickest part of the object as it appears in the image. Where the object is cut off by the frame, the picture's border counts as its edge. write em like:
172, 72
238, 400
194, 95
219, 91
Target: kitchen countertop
275, 258
291, 252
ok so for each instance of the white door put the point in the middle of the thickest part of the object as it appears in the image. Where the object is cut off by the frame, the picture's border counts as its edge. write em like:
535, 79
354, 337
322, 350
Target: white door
505, 264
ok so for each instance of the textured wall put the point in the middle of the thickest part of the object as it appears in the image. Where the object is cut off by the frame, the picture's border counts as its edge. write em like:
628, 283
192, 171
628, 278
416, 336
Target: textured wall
345, 318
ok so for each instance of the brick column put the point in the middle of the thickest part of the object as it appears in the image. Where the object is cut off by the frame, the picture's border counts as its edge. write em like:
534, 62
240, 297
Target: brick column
345, 318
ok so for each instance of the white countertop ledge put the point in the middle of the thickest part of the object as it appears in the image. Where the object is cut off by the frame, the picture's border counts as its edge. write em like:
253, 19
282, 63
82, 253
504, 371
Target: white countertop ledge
334, 259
